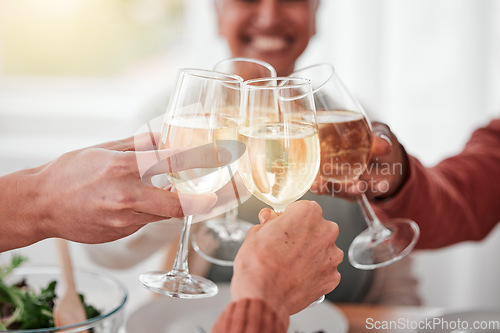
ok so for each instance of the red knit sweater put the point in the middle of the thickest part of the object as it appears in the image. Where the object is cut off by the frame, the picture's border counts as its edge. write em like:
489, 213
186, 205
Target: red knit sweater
458, 199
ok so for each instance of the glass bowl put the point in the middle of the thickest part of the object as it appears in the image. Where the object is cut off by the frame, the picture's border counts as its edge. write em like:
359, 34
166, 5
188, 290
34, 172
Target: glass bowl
103, 292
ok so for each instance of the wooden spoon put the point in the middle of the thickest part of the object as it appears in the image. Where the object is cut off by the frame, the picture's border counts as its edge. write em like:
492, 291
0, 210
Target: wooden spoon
68, 309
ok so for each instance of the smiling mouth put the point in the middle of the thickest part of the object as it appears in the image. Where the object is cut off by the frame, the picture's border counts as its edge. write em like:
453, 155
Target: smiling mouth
267, 44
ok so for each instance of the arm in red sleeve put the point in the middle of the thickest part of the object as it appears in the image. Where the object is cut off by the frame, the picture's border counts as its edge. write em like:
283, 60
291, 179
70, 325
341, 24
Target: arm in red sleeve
249, 316
458, 199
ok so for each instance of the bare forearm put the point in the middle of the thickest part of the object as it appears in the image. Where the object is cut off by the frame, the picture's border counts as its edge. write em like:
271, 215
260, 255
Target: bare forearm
250, 316
21, 212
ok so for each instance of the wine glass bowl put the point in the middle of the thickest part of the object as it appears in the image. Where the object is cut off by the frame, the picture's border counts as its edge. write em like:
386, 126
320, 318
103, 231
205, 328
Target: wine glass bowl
203, 112
280, 132
346, 140
219, 239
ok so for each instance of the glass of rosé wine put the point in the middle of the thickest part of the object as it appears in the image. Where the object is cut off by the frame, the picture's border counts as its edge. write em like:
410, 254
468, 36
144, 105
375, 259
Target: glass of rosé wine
346, 138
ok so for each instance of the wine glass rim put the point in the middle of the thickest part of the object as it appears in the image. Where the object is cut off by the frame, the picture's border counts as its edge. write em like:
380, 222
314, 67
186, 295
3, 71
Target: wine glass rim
305, 82
255, 61
330, 66
209, 74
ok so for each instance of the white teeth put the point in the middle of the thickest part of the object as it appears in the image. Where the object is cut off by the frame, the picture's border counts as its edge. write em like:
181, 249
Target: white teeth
267, 43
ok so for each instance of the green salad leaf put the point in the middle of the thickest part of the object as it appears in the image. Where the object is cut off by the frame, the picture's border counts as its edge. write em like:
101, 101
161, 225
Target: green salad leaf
23, 308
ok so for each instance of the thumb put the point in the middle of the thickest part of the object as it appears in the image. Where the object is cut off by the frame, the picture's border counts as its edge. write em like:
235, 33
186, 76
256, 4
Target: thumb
381, 145
266, 215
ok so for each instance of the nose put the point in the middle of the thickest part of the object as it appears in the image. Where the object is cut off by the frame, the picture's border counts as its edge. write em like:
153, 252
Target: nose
267, 14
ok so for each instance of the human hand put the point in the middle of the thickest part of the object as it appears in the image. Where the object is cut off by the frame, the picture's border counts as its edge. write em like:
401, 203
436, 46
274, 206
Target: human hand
384, 176
97, 194
231, 195
290, 260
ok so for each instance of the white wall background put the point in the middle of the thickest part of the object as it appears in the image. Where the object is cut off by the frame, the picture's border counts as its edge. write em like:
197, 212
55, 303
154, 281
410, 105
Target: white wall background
429, 68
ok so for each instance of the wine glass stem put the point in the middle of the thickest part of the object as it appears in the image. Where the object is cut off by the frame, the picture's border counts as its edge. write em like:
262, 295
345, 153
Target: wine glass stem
371, 219
181, 258
230, 220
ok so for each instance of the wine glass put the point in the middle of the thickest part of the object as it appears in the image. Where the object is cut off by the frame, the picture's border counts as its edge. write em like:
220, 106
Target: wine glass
203, 112
247, 68
218, 240
346, 139
278, 127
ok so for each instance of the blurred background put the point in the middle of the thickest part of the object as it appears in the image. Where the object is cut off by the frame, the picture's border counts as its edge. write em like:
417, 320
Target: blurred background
75, 73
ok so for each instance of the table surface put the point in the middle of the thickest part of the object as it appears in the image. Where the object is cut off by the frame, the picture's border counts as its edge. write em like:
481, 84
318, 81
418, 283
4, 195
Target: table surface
366, 318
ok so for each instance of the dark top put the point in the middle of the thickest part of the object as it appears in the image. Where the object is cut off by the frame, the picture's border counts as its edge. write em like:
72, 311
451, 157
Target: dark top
354, 283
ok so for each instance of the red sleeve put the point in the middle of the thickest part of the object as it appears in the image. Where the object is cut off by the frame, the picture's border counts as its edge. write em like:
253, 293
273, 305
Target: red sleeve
249, 316
458, 199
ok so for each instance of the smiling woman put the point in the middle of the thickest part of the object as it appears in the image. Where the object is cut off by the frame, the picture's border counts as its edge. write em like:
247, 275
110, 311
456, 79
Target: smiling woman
82, 37
274, 31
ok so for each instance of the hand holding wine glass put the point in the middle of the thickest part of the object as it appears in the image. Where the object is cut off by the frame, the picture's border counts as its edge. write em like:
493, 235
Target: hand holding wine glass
307, 255
387, 155
346, 145
202, 113
278, 127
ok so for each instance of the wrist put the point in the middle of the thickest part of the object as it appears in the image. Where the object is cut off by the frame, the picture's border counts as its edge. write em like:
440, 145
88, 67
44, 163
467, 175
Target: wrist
399, 180
41, 211
20, 212
249, 288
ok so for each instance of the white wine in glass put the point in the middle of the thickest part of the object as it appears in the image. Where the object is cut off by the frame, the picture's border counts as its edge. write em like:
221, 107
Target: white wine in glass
202, 114
281, 161
280, 132
279, 129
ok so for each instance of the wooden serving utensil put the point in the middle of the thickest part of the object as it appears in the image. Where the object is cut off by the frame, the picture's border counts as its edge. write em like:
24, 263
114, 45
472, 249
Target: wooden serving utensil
68, 309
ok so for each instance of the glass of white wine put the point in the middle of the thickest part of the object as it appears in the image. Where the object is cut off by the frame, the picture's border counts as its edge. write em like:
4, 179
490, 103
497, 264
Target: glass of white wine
203, 112
346, 140
278, 127
219, 239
